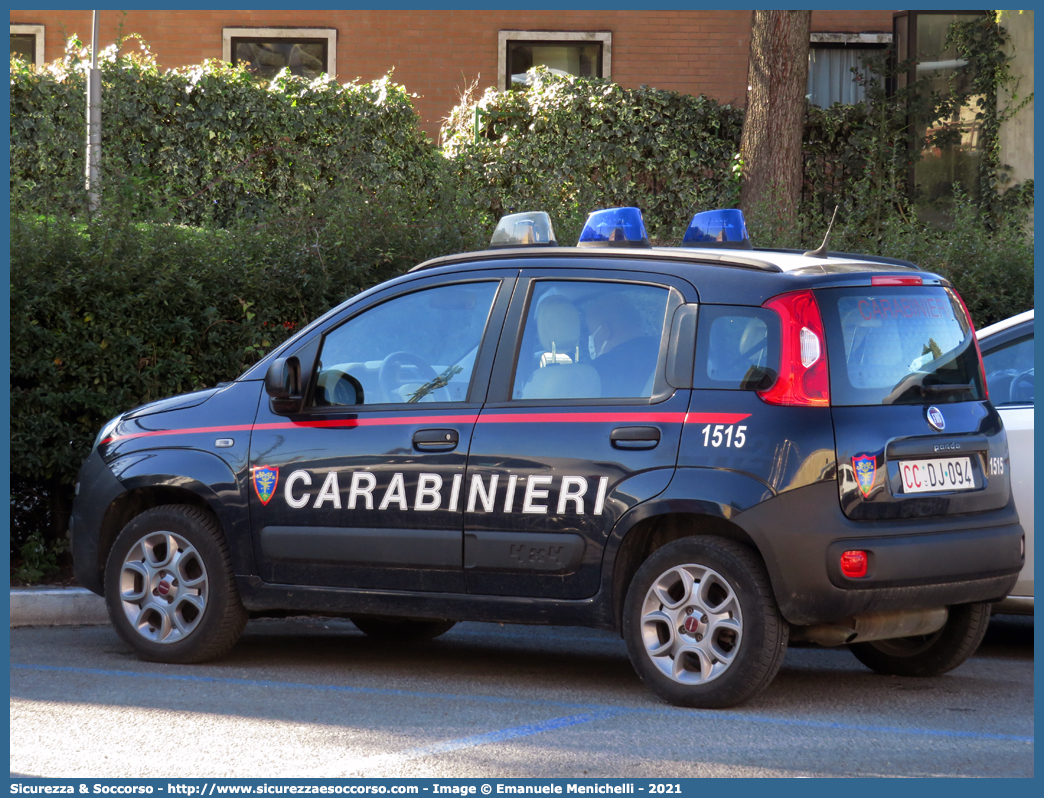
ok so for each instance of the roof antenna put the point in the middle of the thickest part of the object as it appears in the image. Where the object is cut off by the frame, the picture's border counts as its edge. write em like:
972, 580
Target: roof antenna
821, 252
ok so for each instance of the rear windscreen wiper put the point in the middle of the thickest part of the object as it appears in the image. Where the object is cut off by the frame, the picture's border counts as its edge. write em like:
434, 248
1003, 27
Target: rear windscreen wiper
927, 390
912, 387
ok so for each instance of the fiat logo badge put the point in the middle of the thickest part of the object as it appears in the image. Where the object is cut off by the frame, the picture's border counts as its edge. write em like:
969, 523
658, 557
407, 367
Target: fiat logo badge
692, 623
935, 419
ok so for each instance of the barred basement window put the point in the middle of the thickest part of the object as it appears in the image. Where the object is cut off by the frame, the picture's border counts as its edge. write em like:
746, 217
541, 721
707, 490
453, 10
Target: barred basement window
585, 54
308, 52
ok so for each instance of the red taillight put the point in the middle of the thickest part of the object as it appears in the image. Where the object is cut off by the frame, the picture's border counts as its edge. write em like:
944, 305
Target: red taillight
975, 338
854, 564
803, 376
887, 279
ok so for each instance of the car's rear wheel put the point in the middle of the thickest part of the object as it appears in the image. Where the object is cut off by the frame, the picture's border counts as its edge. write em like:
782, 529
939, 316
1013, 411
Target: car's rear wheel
401, 630
170, 589
701, 623
929, 655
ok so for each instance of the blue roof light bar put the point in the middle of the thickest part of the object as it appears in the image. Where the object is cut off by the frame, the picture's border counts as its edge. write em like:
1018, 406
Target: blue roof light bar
721, 228
614, 227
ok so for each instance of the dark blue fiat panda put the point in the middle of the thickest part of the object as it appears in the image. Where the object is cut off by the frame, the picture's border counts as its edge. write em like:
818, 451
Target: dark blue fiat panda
711, 449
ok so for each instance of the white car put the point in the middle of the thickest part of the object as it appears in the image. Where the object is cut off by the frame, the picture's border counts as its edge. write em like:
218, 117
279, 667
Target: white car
1007, 352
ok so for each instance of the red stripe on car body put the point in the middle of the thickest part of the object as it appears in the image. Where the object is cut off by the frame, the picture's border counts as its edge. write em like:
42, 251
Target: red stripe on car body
715, 418
488, 418
535, 418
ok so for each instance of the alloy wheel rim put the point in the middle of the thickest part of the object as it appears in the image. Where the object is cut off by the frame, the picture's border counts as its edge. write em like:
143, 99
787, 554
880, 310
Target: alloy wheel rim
691, 624
163, 587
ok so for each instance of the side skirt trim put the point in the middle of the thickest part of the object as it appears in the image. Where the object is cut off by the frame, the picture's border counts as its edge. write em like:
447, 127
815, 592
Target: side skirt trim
262, 597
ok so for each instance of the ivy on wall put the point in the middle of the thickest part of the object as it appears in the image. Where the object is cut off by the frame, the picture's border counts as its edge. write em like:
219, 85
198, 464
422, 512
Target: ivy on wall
982, 43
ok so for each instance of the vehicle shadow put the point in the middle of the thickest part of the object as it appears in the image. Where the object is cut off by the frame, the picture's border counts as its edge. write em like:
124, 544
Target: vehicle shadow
489, 662
1008, 636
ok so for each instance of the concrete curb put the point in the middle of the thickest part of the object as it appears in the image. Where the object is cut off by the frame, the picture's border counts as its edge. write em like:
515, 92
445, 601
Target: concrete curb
43, 606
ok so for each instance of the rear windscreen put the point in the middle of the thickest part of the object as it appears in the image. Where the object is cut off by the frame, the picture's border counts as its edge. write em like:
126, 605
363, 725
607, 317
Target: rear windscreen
899, 345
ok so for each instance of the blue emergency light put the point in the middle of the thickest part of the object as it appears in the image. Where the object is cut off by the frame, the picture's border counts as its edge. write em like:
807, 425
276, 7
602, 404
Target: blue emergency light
614, 227
531, 229
721, 228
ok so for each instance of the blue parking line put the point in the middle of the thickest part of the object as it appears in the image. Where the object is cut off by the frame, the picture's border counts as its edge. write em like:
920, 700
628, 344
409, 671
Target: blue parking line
595, 708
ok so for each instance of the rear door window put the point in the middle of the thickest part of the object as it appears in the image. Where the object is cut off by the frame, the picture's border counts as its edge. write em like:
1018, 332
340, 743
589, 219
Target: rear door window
591, 339
737, 348
899, 345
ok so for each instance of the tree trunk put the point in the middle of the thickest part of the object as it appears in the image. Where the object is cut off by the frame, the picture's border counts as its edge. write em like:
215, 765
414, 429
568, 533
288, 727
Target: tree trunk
775, 118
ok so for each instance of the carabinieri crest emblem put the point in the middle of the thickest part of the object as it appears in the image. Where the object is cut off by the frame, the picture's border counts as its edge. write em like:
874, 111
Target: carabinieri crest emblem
265, 480
865, 467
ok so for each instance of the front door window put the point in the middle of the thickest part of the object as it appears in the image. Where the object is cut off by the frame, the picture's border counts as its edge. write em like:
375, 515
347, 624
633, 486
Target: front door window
415, 349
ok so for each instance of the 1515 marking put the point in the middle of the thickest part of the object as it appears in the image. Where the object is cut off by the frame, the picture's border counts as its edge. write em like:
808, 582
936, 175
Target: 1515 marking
728, 435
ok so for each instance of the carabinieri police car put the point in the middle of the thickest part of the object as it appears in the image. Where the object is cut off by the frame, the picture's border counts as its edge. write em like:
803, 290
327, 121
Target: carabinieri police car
710, 449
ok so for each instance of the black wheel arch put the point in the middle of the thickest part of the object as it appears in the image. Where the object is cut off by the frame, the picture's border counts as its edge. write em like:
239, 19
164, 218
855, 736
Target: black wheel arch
698, 501
133, 503
164, 478
645, 533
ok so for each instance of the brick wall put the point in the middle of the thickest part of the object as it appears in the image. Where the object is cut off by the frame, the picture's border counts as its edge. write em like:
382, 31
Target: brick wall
437, 53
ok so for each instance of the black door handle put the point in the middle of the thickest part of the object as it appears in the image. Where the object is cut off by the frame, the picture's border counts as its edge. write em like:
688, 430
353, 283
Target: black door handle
635, 437
435, 440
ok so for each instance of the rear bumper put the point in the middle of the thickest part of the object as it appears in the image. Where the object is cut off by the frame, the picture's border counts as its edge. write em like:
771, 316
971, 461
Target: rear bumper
914, 564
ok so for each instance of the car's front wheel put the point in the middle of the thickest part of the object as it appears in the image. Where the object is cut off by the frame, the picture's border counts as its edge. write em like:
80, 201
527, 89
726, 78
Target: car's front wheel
701, 623
929, 655
170, 589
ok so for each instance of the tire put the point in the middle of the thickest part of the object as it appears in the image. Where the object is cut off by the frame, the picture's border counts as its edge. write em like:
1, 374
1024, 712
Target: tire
169, 586
723, 658
401, 630
928, 655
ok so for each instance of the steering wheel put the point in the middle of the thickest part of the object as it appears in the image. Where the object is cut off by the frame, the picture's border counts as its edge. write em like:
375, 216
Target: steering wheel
338, 388
1021, 391
388, 376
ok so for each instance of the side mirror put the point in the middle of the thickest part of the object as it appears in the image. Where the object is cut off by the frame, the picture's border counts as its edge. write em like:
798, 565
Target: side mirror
283, 384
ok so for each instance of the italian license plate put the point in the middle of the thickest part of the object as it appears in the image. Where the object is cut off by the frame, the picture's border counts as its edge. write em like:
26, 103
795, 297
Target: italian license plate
929, 476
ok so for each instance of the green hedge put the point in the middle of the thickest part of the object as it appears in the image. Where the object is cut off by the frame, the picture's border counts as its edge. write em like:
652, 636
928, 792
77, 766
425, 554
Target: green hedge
569, 145
106, 319
207, 143
106, 316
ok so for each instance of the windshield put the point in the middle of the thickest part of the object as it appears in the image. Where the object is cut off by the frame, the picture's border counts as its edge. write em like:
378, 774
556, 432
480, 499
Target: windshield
899, 345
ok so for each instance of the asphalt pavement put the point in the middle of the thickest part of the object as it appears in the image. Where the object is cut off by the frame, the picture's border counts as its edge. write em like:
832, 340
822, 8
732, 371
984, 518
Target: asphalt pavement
315, 697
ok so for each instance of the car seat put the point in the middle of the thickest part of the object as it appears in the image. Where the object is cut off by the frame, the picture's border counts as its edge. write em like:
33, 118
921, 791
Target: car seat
559, 375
